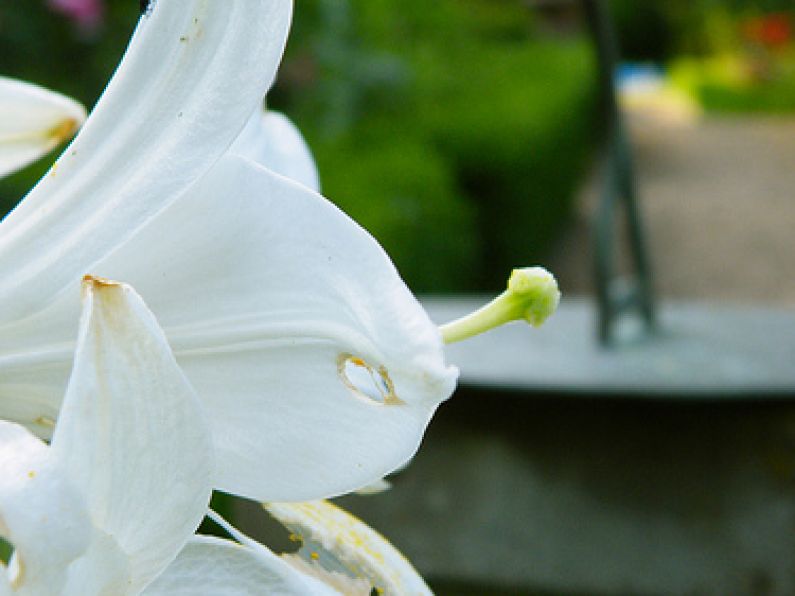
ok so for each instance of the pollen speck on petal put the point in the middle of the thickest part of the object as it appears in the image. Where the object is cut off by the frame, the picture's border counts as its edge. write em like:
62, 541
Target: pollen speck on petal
64, 130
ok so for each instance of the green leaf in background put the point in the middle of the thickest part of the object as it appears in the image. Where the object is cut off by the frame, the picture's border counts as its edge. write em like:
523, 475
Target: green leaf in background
455, 131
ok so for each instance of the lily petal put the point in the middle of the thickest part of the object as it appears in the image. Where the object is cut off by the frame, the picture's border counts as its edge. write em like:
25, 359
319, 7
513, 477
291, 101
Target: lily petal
127, 479
132, 437
328, 531
171, 110
318, 368
272, 140
34, 121
41, 512
210, 566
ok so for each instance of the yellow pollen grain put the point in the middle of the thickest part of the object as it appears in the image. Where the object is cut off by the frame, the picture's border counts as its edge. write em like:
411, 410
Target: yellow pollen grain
63, 130
314, 556
32, 474
45, 421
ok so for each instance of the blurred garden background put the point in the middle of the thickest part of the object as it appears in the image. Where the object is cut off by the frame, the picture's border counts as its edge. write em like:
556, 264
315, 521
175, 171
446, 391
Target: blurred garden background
465, 136
458, 131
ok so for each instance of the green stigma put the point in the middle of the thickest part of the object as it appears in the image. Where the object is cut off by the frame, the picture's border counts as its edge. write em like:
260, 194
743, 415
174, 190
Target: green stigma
532, 295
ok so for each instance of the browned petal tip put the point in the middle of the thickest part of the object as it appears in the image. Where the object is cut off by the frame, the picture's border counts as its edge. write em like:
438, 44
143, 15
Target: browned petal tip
99, 282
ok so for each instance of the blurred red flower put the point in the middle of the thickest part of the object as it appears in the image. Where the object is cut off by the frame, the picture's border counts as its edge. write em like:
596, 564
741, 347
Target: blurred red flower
773, 30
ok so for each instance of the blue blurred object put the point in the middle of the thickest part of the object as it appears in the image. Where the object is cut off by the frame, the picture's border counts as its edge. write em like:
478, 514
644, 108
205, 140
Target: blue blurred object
638, 72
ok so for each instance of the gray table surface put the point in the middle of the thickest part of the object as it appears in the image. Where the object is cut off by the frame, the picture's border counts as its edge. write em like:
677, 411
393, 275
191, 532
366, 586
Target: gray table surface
701, 350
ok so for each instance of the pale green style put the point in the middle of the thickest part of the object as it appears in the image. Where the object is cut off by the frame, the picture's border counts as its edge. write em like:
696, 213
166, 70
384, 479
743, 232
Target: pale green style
532, 296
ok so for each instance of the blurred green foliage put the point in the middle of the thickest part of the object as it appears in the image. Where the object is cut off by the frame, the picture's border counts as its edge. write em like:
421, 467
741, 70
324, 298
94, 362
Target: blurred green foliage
458, 137
646, 30
659, 30
452, 130
733, 55
730, 82
40, 46
776, 97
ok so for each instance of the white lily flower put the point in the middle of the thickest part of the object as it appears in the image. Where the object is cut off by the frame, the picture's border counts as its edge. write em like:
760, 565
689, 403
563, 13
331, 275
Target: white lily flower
113, 503
316, 367
33, 121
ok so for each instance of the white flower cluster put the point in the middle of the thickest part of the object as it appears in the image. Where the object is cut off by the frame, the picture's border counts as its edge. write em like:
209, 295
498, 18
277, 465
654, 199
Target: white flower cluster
267, 305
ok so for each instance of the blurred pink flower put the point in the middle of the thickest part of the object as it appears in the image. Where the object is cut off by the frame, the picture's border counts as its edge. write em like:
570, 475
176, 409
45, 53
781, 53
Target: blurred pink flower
87, 15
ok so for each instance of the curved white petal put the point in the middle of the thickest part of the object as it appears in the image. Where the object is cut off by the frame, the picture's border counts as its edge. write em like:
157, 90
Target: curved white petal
210, 566
271, 140
104, 569
326, 529
375, 488
282, 310
132, 436
41, 512
272, 300
33, 121
193, 74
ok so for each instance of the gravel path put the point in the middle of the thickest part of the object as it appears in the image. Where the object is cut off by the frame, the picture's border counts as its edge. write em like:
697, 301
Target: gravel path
719, 207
